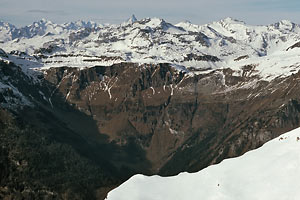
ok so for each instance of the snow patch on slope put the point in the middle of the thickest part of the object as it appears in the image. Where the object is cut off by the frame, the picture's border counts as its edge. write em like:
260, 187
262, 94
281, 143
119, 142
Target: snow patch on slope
270, 173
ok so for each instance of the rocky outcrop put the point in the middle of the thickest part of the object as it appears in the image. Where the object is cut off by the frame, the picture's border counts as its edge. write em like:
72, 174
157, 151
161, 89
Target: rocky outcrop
192, 56
241, 58
296, 45
3, 53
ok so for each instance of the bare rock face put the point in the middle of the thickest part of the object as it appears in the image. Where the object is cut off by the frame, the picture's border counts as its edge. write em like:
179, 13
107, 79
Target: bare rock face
296, 45
182, 122
210, 58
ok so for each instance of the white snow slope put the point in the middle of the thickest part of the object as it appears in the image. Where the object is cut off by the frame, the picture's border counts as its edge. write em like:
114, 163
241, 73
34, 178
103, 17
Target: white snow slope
271, 172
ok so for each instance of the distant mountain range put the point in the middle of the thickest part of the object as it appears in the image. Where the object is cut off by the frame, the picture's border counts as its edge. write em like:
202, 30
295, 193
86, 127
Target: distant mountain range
152, 40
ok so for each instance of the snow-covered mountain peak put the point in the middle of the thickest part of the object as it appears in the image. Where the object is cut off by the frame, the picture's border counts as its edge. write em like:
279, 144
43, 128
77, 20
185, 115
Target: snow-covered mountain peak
40, 28
285, 25
81, 24
6, 30
230, 20
132, 19
45, 21
158, 24
187, 21
42, 23
153, 22
229, 25
188, 26
6, 25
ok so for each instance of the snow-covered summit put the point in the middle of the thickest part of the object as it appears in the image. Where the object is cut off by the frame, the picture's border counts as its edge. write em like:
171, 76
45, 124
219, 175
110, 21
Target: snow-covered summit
285, 25
132, 19
230, 20
269, 173
81, 24
40, 28
6, 25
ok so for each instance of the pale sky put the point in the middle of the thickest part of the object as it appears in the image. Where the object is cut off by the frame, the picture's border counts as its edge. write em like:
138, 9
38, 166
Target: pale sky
256, 12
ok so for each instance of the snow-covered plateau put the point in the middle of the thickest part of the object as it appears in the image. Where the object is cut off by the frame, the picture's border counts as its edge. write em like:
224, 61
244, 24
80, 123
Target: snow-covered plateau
228, 43
270, 172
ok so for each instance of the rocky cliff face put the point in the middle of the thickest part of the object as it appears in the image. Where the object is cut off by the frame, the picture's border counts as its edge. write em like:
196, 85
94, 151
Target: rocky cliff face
181, 121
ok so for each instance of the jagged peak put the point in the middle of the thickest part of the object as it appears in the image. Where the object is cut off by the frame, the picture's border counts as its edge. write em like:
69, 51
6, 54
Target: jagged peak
284, 24
285, 21
44, 21
132, 19
77, 24
6, 24
155, 22
188, 26
230, 20
129, 21
80, 24
41, 23
185, 22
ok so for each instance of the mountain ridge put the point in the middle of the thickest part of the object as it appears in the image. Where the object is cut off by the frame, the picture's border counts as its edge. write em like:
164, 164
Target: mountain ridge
133, 18
153, 40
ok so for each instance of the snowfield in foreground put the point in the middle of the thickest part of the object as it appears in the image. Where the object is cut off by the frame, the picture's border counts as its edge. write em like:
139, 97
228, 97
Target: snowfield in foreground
268, 173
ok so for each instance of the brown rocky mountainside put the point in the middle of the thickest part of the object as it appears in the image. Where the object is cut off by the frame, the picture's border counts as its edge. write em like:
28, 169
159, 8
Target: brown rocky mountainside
104, 124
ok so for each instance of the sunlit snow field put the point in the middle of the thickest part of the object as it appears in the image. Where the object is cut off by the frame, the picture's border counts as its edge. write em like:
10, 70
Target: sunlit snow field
271, 172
